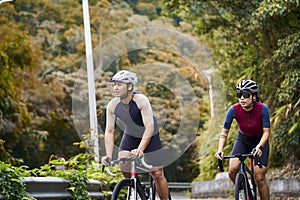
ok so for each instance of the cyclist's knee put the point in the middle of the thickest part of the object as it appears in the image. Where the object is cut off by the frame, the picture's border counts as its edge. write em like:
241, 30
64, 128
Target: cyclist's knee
125, 168
158, 175
233, 169
259, 174
232, 172
260, 178
231, 176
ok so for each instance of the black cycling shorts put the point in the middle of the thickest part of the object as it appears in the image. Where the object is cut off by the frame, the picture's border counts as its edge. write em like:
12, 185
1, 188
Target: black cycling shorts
245, 144
153, 153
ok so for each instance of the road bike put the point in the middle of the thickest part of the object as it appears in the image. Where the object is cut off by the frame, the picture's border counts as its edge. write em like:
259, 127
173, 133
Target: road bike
132, 188
245, 186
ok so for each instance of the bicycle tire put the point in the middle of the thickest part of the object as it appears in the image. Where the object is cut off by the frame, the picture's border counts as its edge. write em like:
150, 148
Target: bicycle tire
253, 188
124, 190
240, 188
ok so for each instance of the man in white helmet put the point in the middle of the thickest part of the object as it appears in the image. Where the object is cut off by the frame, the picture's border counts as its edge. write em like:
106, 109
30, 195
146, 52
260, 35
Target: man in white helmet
141, 133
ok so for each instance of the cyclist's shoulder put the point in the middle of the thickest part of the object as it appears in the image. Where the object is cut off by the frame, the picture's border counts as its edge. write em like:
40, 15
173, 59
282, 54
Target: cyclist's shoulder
114, 100
140, 97
262, 105
113, 103
236, 106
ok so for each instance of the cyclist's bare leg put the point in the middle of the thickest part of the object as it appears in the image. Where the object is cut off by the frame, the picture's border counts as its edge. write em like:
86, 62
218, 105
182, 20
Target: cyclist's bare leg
233, 168
161, 183
125, 167
262, 185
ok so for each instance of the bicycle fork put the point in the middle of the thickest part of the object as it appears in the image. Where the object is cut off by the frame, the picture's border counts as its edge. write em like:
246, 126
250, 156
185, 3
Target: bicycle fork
244, 177
250, 183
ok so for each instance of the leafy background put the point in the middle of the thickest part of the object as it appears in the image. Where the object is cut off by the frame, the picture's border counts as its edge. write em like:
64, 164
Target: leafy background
42, 48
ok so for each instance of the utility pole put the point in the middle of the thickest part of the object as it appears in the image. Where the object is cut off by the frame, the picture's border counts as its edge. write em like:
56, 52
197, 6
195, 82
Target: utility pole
91, 82
2, 1
208, 73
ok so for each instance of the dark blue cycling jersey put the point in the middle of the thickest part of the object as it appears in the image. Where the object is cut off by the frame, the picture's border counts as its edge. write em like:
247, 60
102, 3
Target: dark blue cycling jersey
134, 129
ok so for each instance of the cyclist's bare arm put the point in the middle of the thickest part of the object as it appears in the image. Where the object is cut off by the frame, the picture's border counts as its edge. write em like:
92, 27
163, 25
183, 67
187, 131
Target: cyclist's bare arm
109, 131
149, 128
222, 142
263, 141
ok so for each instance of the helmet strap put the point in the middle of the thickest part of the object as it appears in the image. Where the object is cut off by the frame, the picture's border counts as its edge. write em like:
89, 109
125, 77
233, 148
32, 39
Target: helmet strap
124, 96
127, 93
249, 106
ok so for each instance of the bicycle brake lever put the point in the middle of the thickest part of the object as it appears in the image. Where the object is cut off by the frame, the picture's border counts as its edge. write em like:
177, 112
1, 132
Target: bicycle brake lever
220, 166
220, 163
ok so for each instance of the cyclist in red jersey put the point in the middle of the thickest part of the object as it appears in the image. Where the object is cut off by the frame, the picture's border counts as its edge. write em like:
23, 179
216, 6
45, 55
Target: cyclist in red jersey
253, 120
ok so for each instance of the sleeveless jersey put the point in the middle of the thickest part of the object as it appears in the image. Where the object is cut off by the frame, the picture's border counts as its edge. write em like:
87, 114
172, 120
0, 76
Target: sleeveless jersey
132, 119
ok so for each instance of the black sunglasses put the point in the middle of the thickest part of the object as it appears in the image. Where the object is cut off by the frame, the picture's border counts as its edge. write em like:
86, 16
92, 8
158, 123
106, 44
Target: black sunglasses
241, 93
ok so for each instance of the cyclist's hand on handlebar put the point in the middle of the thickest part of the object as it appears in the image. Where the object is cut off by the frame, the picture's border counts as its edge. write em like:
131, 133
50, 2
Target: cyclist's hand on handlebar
219, 155
137, 153
105, 160
257, 151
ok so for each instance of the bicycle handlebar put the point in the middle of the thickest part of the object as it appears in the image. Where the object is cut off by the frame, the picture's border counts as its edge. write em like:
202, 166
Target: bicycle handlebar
108, 171
240, 156
140, 161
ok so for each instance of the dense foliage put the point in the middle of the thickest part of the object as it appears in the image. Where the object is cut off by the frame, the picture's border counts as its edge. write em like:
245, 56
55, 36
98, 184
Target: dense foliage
257, 40
12, 187
53, 42
74, 170
42, 47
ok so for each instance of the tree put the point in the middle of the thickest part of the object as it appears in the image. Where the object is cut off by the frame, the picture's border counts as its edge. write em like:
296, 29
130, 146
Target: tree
257, 40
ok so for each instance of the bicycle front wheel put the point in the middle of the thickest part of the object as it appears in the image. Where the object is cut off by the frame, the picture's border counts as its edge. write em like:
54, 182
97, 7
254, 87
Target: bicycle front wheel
124, 190
240, 190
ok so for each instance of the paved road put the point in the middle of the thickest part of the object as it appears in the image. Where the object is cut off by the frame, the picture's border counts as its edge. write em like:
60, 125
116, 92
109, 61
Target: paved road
184, 196
179, 196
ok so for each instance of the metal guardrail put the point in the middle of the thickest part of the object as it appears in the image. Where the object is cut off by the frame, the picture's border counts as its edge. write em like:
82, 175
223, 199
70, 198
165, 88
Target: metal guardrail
177, 185
50, 188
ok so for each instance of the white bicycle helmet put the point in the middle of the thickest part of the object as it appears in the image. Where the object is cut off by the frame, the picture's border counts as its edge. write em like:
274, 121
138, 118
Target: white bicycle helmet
247, 85
124, 76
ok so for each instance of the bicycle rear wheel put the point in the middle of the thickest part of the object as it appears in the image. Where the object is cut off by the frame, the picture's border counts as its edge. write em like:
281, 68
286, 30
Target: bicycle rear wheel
240, 190
124, 190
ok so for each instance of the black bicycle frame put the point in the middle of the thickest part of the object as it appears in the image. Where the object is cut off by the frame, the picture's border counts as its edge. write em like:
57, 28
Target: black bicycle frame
243, 169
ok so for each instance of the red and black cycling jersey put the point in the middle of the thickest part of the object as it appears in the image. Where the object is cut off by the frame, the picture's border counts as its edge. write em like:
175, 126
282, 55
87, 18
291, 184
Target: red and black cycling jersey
250, 123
